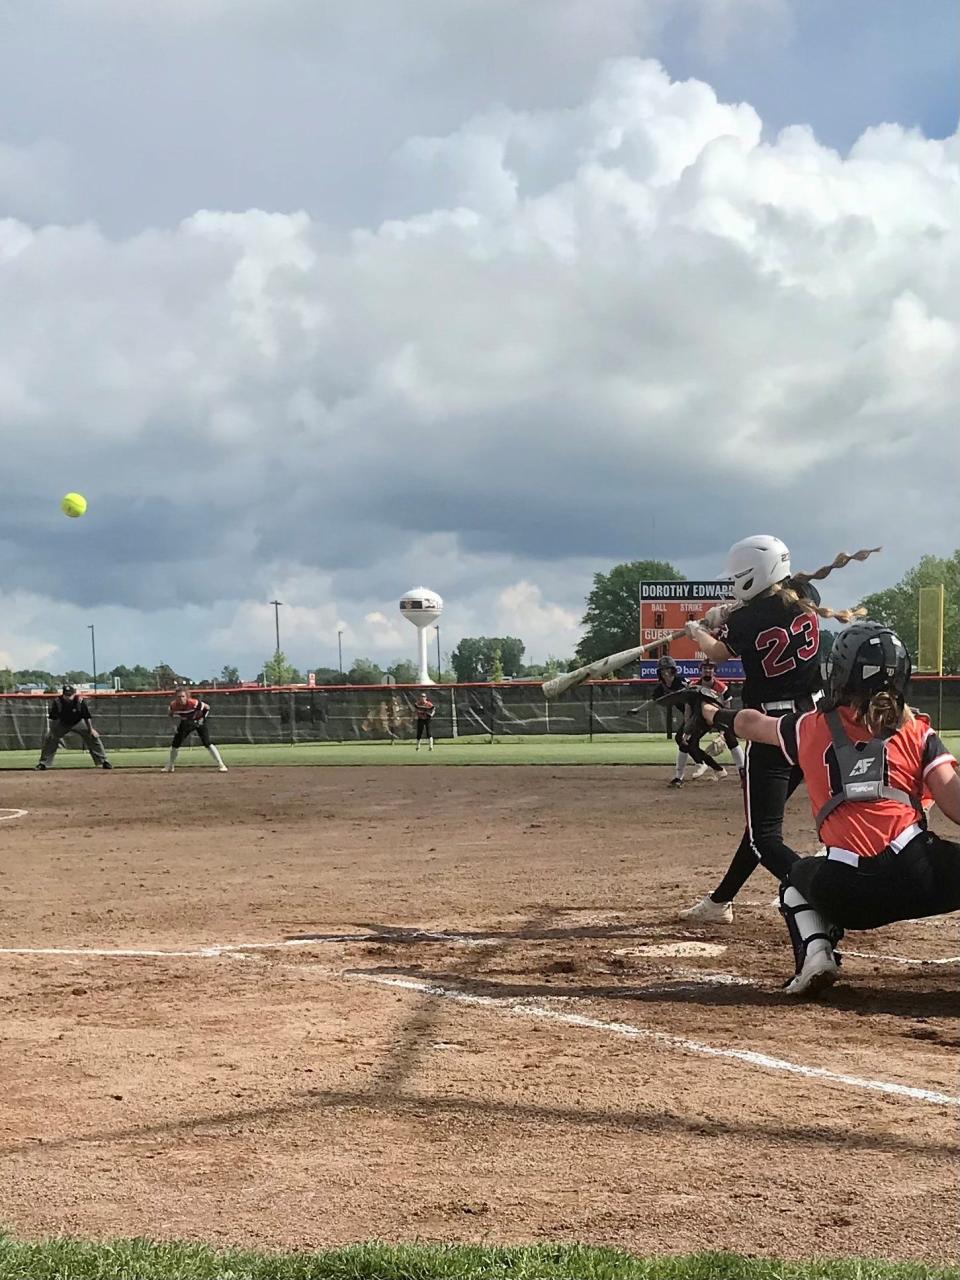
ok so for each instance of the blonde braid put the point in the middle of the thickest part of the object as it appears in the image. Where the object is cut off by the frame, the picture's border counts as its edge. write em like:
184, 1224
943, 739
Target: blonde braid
791, 596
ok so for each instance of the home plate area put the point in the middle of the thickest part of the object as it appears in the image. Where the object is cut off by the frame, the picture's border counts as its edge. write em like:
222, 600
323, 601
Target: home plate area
458, 1013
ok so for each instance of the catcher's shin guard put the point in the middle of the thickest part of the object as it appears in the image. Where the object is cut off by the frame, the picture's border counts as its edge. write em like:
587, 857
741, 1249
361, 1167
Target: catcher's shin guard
809, 931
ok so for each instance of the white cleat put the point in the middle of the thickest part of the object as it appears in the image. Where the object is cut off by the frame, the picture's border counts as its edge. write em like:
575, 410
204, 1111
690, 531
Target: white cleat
717, 775
706, 911
819, 972
222, 769
167, 768
698, 771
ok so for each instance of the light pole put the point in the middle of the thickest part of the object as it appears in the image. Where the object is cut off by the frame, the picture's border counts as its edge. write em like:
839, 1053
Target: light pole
93, 649
276, 619
340, 652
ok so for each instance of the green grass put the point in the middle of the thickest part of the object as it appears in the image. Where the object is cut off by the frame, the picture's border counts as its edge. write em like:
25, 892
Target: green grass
542, 750
140, 1260
626, 749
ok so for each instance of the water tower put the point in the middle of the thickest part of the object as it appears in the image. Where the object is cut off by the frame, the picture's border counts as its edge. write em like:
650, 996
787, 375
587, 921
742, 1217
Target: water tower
422, 608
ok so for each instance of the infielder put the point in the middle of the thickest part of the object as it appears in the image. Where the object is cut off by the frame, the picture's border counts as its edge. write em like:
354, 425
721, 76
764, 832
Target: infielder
69, 713
669, 682
773, 626
871, 766
425, 711
689, 742
191, 717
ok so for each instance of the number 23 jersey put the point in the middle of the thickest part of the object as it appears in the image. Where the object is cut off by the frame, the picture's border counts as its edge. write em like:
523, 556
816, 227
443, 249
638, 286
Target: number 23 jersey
779, 645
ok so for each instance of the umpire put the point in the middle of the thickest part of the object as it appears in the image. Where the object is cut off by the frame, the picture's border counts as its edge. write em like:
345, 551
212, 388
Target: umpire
70, 714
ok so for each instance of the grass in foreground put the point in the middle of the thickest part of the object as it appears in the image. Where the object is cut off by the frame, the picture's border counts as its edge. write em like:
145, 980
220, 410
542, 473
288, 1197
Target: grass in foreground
141, 1260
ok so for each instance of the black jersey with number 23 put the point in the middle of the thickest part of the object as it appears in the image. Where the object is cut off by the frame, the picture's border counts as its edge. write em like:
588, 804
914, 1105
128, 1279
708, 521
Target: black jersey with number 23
779, 645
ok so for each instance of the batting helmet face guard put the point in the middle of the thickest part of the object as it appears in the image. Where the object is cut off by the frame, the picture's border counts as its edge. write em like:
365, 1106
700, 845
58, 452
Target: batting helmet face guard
757, 563
867, 658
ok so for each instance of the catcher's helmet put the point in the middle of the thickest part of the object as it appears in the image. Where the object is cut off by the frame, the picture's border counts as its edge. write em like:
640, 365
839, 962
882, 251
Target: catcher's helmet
867, 658
757, 563
69, 690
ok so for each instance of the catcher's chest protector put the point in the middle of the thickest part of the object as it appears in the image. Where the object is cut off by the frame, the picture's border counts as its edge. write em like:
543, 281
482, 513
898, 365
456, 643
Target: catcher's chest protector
862, 770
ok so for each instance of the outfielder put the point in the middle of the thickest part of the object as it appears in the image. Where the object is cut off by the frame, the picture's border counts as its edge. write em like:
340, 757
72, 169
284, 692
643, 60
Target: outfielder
773, 626
70, 714
870, 765
191, 717
425, 711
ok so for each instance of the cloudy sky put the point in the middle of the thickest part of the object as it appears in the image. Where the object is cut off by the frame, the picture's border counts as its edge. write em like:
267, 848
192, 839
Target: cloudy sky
319, 302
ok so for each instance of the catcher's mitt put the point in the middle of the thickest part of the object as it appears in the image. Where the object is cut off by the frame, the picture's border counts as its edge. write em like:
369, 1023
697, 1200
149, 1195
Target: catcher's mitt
714, 748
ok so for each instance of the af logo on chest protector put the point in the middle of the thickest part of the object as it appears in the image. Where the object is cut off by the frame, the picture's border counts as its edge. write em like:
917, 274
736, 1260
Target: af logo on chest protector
861, 776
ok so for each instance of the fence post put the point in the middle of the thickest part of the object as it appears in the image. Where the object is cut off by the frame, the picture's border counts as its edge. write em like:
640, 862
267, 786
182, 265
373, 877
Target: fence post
590, 712
493, 713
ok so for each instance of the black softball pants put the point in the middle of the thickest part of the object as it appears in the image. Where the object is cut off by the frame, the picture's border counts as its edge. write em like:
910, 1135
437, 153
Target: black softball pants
184, 730
921, 880
769, 782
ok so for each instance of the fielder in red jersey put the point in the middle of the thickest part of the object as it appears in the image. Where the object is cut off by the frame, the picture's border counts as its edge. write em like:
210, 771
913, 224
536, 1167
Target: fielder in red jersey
190, 713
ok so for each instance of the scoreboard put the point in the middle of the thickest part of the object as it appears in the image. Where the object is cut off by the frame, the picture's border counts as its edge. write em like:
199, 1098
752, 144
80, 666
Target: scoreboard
669, 606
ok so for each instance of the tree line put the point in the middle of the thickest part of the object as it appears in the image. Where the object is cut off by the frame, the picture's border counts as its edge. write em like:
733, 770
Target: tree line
476, 658
611, 622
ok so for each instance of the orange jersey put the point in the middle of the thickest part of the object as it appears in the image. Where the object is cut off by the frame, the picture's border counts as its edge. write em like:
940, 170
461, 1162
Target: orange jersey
864, 827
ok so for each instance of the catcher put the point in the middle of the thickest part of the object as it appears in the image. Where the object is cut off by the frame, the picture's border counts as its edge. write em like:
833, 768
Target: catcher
191, 717
871, 767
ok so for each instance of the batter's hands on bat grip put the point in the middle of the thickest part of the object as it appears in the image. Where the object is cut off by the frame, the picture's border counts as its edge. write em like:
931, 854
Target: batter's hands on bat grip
717, 617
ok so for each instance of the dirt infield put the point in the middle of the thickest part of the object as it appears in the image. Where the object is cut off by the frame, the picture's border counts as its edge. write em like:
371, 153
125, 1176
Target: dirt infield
472, 1015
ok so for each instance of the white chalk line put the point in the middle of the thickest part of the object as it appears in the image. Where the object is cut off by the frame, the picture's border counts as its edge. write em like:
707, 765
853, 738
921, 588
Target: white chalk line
873, 955
527, 1010
213, 950
7, 815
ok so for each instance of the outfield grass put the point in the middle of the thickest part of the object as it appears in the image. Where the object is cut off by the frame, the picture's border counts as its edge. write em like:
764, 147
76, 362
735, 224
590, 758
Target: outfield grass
541, 750
140, 1260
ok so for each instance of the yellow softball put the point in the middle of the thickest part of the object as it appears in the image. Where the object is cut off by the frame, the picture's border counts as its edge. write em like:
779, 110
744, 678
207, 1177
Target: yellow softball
73, 504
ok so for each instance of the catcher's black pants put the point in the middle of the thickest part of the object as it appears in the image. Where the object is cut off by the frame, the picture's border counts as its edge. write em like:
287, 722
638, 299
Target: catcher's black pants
922, 880
769, 782
184, 730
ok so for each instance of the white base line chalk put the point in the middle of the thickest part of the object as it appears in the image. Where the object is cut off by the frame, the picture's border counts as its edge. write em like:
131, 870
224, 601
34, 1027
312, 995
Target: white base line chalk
7, 815
198, 953
873, 955
680, 1043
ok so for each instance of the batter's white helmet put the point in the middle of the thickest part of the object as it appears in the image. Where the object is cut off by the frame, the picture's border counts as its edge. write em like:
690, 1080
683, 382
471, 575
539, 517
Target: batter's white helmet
757, 563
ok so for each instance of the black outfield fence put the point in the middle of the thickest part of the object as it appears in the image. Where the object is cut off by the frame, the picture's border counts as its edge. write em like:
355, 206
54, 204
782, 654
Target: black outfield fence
362, 713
